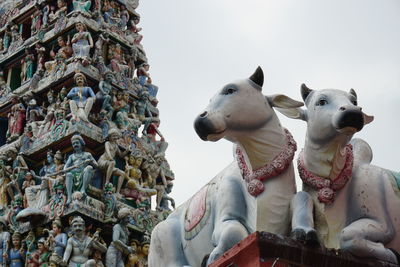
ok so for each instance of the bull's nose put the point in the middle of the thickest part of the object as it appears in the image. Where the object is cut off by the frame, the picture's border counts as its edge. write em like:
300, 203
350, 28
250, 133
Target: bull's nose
350, 116
344, 108
202, 126
204, 114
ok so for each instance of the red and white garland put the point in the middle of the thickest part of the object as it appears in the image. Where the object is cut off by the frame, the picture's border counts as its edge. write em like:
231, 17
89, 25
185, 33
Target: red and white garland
278, 165
327, 188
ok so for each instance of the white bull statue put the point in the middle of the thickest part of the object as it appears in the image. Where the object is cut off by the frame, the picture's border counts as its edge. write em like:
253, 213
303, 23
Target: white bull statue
252, 193
350, 203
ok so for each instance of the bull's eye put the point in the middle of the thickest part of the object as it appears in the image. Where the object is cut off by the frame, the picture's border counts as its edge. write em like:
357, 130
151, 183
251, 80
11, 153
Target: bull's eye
322, 102
228, 91
354, 102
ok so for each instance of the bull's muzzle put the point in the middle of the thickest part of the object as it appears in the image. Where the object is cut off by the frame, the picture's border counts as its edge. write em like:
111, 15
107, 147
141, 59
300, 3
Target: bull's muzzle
203, 126
350, 116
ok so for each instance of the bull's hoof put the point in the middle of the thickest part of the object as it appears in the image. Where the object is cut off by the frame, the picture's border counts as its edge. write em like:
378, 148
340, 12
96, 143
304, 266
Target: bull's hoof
310, 238
298, 234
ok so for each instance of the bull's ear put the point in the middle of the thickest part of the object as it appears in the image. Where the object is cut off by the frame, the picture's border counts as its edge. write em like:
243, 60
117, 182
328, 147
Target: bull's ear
258, 77
293, 113
353, 93
305, 91
282, 101
287, 106
367, 118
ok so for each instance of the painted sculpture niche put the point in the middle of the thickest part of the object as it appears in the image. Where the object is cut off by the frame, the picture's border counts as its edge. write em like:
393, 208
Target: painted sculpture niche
251, 194
355, 204
82, 99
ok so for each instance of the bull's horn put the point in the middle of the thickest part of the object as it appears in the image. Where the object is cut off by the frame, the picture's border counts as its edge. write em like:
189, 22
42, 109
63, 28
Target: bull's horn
258, 77
305, 91
352, 92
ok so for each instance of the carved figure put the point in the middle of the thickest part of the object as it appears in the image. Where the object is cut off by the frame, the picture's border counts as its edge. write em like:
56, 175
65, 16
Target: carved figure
7, 38
4, 180
252, 194
124, 17
16, 119
82, 42
133, 259
107, 160
132, 33
82, 98
59, 238
104, 93
64, 52
36, 23
80, 246
16, 39
110, 201
122, 109
143, 74
16, 254
117, 62
82, 6
41, 256
110, 13
4, 87
60, 15
4, 243
79, 168
145, 245
119, 247
355, 203
57, 200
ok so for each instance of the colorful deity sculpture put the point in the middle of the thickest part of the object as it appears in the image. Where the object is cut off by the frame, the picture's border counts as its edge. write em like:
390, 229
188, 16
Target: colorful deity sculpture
82, 6
119, 247
82, 42
82, 98
61, 15
145, 246
117, 61
135, 187
7, 38
107, 163
4, 180
58, 238
110, 202
16, 119
4, 87
79, 168
4, 243
28, 66
80, 246
16, 255
64, 52
105, 91
36, 23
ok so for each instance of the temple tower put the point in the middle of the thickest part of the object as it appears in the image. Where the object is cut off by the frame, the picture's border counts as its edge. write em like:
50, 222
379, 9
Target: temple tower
79, 135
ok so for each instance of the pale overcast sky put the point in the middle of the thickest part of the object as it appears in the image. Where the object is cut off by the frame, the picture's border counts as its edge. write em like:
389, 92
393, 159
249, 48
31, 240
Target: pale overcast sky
195, 47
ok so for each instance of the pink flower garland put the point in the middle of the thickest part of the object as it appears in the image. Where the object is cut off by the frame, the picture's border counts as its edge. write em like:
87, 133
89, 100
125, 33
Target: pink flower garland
327, 188
278, 165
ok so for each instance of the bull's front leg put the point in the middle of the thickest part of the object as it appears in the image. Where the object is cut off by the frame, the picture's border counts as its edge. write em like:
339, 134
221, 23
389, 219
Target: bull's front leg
302, 218
366, 238
228, 234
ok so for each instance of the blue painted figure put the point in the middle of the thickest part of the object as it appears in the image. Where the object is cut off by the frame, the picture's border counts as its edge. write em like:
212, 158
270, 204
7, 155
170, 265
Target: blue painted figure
4, 243
60, 239
82, 99
16, 255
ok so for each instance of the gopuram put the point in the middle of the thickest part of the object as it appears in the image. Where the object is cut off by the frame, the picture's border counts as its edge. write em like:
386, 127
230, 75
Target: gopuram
81, 154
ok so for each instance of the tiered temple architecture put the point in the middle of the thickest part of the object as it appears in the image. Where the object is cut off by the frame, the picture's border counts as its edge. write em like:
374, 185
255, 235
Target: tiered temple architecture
81, 155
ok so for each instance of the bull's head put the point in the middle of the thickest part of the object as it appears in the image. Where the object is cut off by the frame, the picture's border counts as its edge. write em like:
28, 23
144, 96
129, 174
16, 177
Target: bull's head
329, 113
238, 108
